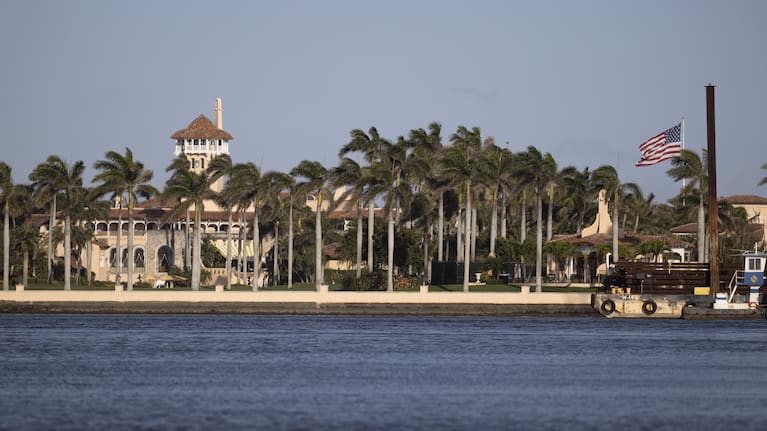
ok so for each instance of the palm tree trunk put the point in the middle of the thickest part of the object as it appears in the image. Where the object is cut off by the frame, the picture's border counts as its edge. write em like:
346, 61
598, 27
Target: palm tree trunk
549, 216
503, 217
229, 252
459, 237
25, 269
68, 253
318, 246
6, 246
539, 243
256, 249
371, 213
130, 244
467, 254
275, 259
474, 234
702, 230
493, 226
196, 248
89, 257
51, 224
615, 229
290, 245
523, 220
428, 235
118, 254
390, 255
359, 239
440, 226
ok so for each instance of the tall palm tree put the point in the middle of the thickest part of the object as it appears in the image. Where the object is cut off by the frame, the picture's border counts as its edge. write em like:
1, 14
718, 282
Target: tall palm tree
428, 146
19, 204
189, 190
394, 172
461, 163
71, 185
369, 145
315, 181
606, 177
274, 183
6, 187
689, 166
219, 167
46, 179
122, 175
535, 169
350, 173
496, 164
637, 203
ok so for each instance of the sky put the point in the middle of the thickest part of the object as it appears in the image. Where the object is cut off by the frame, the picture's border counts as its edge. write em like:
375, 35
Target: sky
587, 81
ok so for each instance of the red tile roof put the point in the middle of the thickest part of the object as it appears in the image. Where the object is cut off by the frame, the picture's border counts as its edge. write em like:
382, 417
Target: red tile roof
202, 128
746, 200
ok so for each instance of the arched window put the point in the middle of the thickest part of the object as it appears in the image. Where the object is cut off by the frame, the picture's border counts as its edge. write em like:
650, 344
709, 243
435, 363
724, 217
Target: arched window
164, 259
138, 258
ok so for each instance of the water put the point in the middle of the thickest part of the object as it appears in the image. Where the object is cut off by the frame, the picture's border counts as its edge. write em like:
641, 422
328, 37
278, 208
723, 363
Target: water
197, 372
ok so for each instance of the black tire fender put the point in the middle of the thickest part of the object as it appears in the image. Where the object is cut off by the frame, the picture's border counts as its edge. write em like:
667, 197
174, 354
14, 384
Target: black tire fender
649, 307
607, 307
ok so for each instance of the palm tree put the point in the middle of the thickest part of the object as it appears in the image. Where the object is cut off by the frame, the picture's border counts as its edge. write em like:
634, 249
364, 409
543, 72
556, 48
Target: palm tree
461, 163
72, 186
27, 239
46, 180
535, 170
315, 180
19, 204
689, 166
578, 193
637, 203
190, 190
219, 167
606, 177
497, 164
274, 183
369, 145
120, 174
350, 173
6, 187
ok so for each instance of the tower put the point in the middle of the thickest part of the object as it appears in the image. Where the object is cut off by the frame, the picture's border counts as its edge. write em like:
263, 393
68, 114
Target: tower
201, 141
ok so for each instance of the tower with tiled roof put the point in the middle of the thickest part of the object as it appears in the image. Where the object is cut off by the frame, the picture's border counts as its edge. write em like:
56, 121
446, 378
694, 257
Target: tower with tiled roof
201, 141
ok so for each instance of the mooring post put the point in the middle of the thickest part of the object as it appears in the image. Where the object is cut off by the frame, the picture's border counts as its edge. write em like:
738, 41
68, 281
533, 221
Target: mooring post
713, 207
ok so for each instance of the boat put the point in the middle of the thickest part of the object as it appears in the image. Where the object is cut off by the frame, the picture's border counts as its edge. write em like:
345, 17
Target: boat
678, 290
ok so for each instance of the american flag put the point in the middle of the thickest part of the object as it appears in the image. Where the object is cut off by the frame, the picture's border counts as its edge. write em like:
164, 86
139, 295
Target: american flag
662, 146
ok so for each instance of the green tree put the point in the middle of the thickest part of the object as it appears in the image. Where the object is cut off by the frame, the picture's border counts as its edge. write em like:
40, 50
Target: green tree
535, 169
47, 180
689, 166
6, 187
315, 182
190, 190
461, 162
123, 175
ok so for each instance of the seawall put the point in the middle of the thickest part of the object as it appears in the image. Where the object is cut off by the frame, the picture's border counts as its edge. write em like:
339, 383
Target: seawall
285, 302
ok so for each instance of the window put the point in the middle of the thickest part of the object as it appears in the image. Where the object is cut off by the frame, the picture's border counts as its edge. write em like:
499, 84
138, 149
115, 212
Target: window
138, 258
752, 264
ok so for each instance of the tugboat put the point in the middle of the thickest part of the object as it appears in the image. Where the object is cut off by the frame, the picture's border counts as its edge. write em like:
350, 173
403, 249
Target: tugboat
624, 293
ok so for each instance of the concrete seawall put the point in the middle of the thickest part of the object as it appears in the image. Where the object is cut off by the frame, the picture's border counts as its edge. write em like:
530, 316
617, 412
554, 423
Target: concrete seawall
282, 302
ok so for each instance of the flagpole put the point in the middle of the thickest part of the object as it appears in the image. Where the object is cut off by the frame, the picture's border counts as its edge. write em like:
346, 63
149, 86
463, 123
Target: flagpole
684, 180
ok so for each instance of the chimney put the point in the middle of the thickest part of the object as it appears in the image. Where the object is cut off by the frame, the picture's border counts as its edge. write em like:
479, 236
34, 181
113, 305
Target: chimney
219, 114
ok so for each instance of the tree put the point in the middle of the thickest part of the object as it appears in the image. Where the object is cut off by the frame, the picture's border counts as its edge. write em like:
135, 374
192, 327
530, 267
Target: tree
497, 167
190, 190
461, 163
219, 167
122, 175
535, 170
637, 203
71, 185
6, 187
46, 179
350, 173
369, 145
689, 166
578, 193
315, 181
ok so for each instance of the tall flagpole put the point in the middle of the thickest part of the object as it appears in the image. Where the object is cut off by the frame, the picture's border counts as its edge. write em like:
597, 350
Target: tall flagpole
684, 180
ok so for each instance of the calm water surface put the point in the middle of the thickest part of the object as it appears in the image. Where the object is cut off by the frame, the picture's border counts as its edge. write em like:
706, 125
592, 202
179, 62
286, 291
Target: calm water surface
304, 372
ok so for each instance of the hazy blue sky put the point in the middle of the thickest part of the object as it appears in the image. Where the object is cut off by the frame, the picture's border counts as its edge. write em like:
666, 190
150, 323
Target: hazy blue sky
587, 81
